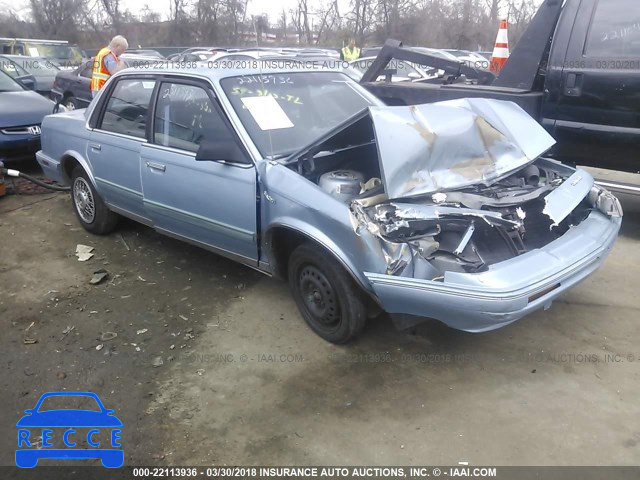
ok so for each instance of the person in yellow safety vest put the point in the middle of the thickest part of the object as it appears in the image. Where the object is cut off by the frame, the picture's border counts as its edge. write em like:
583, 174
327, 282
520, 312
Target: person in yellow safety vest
107, 63
350, 52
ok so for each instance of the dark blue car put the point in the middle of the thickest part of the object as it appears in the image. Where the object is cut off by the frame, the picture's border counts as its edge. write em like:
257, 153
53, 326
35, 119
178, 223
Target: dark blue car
21, 113
56, 427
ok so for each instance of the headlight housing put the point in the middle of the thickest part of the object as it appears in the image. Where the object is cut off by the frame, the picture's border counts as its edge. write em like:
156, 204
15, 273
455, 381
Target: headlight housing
605, 201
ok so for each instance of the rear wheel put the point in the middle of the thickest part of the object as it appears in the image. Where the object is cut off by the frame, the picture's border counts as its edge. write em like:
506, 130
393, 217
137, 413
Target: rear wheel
93, 213
71, 103
328, 298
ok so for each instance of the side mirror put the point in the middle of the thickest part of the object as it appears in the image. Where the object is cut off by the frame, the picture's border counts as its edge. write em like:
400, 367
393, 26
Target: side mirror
223, 151
28, 82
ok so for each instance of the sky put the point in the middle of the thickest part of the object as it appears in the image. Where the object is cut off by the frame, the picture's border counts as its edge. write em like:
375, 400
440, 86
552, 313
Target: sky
255, 7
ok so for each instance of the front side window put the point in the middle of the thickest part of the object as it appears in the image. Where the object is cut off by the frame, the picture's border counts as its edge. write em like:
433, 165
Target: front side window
185, 116
615, 30
127, 107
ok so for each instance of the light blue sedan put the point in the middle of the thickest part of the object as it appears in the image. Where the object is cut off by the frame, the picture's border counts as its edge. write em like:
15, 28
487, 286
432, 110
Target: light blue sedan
444, 211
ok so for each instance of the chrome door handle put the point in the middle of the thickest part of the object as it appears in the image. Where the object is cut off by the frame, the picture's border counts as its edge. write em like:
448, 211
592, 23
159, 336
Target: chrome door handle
95, 146
156, 166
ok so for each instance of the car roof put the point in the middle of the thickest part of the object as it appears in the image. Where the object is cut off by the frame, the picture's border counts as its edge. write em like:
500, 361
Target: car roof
251, 53
23, 57
217, 74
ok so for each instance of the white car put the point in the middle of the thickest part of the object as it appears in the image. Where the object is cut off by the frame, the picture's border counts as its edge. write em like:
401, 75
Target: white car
471, 59
405, 71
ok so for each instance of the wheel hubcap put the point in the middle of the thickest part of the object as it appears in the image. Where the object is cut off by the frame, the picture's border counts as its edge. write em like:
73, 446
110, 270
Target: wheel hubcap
83, 199
319, 297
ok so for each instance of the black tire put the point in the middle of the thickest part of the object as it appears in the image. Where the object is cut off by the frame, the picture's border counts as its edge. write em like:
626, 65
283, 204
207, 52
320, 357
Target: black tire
91, 211
330, 301
71, 103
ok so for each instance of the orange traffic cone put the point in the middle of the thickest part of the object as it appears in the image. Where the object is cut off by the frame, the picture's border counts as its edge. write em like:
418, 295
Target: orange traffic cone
501, 50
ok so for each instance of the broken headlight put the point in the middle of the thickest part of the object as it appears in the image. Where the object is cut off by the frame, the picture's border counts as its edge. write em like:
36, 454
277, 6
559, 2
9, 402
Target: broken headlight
605, 202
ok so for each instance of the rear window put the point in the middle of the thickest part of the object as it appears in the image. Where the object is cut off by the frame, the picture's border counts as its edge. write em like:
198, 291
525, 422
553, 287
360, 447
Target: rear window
615, 30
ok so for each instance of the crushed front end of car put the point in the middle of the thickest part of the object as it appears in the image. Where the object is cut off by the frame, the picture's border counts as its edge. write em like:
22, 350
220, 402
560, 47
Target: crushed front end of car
474, 227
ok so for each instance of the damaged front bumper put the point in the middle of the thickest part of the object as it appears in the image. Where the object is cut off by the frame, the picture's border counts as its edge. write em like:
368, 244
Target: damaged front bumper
507, 291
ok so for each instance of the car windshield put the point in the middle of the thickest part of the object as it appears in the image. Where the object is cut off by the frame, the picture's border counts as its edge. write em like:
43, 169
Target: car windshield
8, 84
283, 112
69, 402
59, 52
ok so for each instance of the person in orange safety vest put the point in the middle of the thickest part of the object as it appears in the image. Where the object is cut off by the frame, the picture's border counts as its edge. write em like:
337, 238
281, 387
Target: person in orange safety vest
107, 63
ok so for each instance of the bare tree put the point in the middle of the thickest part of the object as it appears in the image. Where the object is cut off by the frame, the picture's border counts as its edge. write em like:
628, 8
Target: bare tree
112, 9
207, 14
465, 24
303, 9
148, 16
55, 18
329, 19
363, 14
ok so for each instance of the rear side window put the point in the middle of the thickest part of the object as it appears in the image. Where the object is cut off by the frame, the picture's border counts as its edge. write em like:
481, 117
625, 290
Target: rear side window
127, 107
185, 116
615, 30
9, 67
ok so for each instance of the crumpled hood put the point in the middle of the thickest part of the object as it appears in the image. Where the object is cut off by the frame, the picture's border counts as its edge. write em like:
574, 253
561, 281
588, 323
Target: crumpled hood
448, 145
23, 108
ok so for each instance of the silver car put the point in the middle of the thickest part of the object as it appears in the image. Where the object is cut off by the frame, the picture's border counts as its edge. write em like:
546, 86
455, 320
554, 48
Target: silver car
444, 211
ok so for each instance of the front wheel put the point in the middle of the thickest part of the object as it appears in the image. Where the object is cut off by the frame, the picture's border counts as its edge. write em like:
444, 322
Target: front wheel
93, 213
328, 298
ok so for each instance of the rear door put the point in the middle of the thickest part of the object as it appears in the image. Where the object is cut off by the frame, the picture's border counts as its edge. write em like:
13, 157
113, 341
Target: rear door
596, 118
81, 83
211, 202
115, 143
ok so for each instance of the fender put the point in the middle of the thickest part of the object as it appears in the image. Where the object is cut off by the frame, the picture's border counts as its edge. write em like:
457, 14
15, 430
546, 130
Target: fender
314, 234
80, 159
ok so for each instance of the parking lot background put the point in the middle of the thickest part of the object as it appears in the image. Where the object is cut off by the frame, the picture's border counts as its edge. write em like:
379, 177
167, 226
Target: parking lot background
212, 363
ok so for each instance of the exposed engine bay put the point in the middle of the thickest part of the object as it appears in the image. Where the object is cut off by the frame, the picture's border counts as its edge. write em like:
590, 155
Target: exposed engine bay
452, 209
470, 229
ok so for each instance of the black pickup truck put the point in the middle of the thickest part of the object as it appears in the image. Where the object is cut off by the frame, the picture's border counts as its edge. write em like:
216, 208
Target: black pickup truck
576, 70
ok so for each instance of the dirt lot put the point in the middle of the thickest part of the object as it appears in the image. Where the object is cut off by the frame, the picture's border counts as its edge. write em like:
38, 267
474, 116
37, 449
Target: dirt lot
212, 363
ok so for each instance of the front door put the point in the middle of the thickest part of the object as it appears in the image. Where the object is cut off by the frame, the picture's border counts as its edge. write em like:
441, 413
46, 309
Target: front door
210, 201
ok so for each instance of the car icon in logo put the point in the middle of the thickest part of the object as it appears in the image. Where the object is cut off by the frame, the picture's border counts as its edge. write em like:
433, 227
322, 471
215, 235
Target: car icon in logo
63, 430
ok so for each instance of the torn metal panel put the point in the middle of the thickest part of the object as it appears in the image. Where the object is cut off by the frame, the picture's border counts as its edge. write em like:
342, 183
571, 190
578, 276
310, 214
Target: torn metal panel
406, 211
478, 201
465, 239
566, 197
453, 144
605, 201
